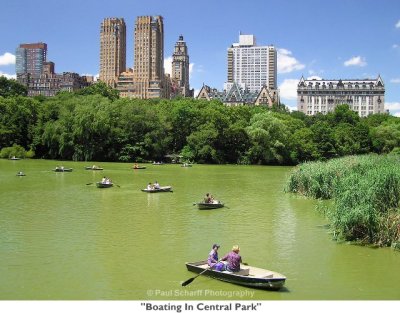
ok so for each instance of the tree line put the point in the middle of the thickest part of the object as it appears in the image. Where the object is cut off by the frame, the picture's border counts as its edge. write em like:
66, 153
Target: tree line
95, 124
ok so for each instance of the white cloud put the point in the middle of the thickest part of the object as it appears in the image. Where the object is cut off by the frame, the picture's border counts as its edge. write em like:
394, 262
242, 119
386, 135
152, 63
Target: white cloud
168, 65
288, 89
314, 77
395, 46
7, 59
395, 80
392, 106
9, 76
287, 63
355, 61
191, 69
398, 24
196, 92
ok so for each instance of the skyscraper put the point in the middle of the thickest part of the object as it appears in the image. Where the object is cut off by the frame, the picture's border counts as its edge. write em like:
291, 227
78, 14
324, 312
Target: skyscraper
180, 67
252, 66
112, 50
30, 58
149, 57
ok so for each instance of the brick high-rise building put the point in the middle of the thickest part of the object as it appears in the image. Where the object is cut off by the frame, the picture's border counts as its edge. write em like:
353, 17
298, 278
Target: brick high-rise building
148, 70
112, 50
29, 58
180, 68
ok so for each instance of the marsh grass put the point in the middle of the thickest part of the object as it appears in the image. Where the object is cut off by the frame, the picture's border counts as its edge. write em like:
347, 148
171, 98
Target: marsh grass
365, 191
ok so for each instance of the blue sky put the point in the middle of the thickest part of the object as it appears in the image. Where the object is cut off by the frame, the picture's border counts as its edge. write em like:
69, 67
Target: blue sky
345, 39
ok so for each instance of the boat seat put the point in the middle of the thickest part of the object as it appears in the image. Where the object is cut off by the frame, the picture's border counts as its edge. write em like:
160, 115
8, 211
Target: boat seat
243, 272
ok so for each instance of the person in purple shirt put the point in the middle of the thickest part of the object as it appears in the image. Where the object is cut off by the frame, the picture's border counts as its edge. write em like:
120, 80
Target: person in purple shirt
213, 255
233, 260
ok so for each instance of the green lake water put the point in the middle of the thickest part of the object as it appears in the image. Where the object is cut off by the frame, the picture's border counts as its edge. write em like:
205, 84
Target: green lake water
61, 238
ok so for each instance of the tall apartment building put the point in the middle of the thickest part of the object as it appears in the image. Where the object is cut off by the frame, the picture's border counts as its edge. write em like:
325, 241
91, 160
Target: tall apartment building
180, 68
29, 58
364, 96
148, 70
252, 66
112, 50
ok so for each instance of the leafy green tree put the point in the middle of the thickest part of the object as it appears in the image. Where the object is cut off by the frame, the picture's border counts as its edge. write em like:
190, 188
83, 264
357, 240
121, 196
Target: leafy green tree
99, 88
323, 138
303, 148
11, 88
386, 136
269, 137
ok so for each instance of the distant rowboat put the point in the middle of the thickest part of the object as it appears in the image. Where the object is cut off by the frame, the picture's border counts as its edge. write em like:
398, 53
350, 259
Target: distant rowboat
104, 185
58, 169
93, 168
209, 206
161, 189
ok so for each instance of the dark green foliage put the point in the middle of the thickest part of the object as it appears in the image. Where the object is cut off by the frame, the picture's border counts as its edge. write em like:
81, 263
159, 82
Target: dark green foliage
94, 124
11, 88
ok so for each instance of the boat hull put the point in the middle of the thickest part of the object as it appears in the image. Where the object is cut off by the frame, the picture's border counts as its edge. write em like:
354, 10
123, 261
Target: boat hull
63, 170
209, 206
161, 189
272, 281
139, 168
104, 185
93, 168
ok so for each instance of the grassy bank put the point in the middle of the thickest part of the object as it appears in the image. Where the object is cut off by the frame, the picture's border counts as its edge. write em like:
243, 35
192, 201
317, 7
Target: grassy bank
366, 194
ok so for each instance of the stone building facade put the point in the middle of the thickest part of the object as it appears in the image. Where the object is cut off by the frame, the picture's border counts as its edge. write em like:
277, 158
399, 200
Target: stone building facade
364, 96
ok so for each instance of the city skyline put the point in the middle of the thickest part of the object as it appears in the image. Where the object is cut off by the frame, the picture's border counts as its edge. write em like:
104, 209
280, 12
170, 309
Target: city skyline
331, 40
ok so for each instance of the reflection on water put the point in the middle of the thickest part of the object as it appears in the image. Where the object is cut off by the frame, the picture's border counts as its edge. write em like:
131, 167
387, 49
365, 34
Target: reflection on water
61, 238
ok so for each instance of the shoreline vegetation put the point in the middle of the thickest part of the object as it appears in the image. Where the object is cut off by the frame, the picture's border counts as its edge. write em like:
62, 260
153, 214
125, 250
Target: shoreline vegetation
94, 124
365, 191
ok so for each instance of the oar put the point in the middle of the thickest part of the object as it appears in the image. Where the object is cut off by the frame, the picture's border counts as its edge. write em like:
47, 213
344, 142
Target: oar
89, 183
187, 282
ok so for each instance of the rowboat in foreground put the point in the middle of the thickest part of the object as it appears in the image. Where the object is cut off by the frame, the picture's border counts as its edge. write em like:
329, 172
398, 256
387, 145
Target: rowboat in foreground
60, 169
93, 168
161, 189
209, 205
104, 185
248, 276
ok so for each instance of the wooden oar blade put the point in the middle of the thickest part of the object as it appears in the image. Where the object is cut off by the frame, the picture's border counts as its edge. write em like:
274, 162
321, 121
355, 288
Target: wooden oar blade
187, 282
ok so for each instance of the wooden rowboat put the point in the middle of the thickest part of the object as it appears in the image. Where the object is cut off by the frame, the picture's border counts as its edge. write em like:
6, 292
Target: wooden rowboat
62, 170
209, 206
248, 276
104, 185
161, 189
139, 167
93, 168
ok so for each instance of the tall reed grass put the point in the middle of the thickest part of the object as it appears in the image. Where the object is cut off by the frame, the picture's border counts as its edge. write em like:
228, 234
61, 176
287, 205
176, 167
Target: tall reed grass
366, 194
